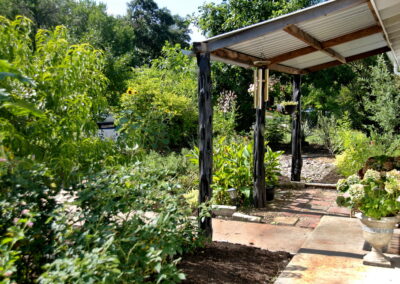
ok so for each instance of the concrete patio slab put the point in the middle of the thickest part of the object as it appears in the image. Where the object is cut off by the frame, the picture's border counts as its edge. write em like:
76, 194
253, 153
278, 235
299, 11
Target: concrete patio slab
265, 236
333, 254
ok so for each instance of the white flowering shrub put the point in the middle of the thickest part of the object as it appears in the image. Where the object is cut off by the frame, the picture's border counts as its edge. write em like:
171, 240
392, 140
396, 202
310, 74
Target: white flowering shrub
376, 195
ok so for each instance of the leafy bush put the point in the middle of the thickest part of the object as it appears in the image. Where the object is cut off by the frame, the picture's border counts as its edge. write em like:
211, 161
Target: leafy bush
158, 109
27, 191
357, 149
327, 131
382, 97
275, 130
9, 251
224, 117
137, 225
126, 225
232, 168
52, 116
376, 195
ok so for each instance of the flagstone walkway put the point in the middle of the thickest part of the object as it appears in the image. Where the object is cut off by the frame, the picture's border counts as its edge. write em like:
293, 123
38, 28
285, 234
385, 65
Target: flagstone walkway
300, 207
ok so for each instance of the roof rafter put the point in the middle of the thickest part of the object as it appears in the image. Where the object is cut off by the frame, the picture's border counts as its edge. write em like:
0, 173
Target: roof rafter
250, 61
326, 44
310, 40
348, 59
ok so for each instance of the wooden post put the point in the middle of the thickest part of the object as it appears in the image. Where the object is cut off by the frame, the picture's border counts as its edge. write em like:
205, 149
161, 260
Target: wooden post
205, 136
297, 161
259, 191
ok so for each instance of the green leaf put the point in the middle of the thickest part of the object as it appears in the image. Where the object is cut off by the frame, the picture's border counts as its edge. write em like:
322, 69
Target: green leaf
21, 108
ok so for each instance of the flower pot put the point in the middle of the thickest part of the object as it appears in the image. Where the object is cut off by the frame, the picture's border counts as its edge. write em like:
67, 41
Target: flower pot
286, 109
270, 189
378, 234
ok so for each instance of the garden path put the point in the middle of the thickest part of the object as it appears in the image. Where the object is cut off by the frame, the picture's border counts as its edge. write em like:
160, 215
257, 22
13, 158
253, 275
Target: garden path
294, 212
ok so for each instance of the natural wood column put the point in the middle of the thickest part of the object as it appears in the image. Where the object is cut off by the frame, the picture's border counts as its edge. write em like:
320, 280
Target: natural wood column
297, 161
205, 136
259, 191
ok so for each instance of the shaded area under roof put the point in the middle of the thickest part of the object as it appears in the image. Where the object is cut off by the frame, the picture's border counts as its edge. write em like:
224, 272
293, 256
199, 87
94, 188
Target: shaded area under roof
312, 39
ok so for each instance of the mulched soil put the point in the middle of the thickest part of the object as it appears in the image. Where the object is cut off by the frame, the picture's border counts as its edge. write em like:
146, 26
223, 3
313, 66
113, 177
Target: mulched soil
220, 262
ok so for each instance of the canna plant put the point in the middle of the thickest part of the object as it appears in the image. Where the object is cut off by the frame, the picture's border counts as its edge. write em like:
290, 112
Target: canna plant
233, 168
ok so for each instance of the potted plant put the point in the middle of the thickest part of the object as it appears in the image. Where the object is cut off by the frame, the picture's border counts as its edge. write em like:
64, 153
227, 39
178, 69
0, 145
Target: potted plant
287, 107
376, 199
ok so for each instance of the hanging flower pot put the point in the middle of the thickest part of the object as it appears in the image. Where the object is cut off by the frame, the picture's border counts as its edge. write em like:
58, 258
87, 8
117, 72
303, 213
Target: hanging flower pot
288, 107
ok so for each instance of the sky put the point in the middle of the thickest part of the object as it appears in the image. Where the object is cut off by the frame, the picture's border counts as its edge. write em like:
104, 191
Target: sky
180, 7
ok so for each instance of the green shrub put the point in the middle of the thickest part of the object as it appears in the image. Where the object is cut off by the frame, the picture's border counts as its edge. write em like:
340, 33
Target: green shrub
172, 167
376, 195
225, 114
233, 168
52, 116
275, 130
192, 198
357, 149
137, 225
327, 131
158, 110
27, 191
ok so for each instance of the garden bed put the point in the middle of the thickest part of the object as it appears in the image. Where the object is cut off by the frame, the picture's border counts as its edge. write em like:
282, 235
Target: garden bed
220, 262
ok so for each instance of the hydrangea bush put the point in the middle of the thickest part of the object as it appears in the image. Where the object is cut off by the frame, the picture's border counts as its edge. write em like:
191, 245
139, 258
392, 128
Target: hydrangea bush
377, 195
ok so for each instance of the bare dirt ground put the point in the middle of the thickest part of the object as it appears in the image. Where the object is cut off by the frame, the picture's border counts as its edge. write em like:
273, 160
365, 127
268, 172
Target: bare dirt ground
229, 263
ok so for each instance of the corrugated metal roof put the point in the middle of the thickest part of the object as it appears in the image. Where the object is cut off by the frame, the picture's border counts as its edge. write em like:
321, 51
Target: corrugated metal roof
345, 22
324, 22
269, 45
389, 15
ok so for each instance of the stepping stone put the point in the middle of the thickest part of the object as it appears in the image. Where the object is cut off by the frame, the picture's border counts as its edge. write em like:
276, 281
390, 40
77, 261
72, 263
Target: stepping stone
289, 221
246, 218
223, 210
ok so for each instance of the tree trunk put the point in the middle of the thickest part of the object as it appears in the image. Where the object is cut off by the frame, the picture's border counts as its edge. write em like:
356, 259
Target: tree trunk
205, 136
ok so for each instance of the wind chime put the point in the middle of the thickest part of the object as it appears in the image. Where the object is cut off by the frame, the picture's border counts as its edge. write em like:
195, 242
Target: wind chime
261, 83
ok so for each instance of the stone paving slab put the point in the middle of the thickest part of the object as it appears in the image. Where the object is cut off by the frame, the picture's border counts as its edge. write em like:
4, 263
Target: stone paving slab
265, 236
333, 255
307, 205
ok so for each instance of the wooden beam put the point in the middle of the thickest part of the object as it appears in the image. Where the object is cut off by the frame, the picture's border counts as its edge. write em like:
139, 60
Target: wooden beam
352, 36
263, 28
308, 39
326, 44
205, 137
376, 18
236, 56
297, 161
286, 69
292, 54
348, 59
249, 60
259, 190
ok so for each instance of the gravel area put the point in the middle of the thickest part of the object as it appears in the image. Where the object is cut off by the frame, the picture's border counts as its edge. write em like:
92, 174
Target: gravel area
316, 168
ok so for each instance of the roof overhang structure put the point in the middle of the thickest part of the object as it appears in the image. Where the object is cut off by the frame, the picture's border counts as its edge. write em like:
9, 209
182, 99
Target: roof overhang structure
312, 39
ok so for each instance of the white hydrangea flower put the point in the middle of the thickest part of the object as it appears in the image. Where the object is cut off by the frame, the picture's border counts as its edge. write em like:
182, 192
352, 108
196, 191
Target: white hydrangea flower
393, 174
372, 175
353, 179
356, 192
